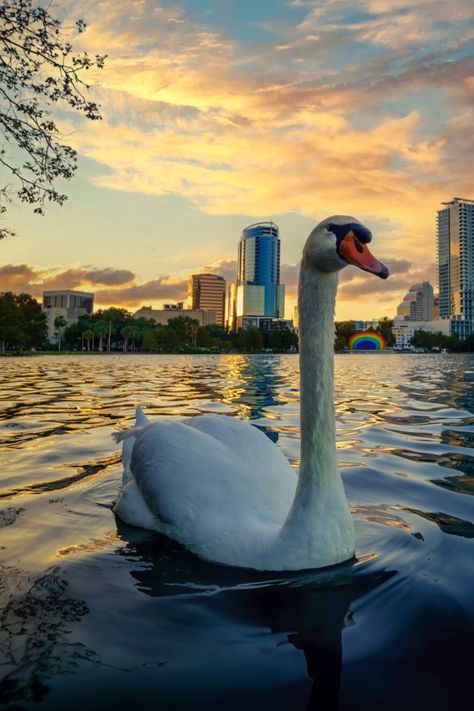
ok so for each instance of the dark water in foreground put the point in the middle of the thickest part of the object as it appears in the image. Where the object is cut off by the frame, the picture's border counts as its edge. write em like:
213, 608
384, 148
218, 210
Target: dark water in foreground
98, 615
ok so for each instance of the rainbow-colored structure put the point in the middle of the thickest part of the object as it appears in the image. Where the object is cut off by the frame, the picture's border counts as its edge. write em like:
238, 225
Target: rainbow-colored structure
366, 341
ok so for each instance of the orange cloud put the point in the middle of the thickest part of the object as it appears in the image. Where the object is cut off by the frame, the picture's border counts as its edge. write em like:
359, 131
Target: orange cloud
270, 129
122, 287
232, 142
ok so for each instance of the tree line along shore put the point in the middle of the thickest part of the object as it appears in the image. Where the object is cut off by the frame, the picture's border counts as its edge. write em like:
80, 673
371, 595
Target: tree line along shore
23, 329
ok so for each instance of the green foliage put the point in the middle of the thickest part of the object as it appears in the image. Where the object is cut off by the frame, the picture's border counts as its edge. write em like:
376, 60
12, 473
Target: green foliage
59, 324
127, 333
106, 326
385, 328
425, 339
344, 330
136, 334
435, 341
9, 325
167, 340
469, 343
186, 329
282, 339
149, 341
22, 322
204, 338
249, 340
101, 329
89, 337
38, 70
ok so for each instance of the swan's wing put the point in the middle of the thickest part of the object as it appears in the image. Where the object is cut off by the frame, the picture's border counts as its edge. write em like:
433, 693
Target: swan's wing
128, 438
248, 443
210, 476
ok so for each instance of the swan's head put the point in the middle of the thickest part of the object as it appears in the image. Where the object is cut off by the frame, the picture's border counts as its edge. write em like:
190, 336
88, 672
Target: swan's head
339, 241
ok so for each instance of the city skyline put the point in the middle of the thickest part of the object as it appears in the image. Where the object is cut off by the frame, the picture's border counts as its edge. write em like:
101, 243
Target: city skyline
216, 118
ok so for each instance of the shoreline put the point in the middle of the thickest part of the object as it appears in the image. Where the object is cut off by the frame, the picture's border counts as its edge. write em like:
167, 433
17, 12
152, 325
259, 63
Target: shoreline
30, 354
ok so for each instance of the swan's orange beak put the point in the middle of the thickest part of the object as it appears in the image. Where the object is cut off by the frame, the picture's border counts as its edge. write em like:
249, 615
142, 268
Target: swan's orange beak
356, 252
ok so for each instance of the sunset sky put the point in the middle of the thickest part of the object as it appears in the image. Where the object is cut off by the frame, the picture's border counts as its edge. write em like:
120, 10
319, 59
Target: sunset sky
220, 113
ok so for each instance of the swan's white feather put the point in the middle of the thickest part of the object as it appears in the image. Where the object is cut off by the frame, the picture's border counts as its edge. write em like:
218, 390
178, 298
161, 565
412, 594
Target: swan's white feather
171, 488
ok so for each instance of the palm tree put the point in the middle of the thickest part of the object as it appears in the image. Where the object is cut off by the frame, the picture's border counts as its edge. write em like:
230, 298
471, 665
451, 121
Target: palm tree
101, 329
89, 335
109, 333
127, 332
59, 323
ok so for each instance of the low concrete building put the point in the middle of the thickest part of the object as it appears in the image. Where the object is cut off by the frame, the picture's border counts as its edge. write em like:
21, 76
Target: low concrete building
404, 329
264, 323
365, 325
206, 317
66, 303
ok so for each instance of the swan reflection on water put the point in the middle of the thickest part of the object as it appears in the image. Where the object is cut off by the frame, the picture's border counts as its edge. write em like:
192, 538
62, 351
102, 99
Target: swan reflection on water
310, 608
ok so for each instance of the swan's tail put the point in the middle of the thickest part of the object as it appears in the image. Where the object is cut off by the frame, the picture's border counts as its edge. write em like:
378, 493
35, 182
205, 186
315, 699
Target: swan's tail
125, 435
128, 438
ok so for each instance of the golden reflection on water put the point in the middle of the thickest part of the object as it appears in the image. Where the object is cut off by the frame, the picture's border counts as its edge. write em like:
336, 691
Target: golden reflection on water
58, 414
93, 546
381, 515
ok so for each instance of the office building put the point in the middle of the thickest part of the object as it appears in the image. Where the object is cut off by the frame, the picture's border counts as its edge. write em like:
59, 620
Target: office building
69, 304
455, 233
207, 291
257, 293
417, 304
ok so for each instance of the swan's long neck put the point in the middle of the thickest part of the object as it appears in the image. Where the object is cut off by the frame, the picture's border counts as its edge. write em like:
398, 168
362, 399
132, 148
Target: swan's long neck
319, 501
317, 297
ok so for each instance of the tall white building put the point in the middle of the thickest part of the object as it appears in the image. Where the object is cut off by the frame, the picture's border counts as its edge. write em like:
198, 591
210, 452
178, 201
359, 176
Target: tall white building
455, 232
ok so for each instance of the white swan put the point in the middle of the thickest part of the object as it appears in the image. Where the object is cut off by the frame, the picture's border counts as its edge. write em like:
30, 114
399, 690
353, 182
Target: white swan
220, 487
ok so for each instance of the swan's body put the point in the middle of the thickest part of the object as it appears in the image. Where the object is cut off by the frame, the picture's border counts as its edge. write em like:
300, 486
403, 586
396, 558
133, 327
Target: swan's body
221, 488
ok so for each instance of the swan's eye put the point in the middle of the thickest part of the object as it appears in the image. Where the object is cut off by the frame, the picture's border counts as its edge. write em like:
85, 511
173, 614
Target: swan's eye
358, 245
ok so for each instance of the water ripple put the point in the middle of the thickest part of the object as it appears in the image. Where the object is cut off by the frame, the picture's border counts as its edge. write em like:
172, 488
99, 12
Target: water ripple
125, 599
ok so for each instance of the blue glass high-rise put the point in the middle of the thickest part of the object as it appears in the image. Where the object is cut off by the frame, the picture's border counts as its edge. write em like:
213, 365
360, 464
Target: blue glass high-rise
259, 266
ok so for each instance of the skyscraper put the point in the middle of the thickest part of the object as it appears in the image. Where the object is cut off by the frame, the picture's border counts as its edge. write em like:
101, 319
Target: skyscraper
207, 291
417, 304
455, 232
258, 293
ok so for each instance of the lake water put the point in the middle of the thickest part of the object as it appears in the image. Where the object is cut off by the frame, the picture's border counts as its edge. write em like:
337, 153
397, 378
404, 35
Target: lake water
99, 615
